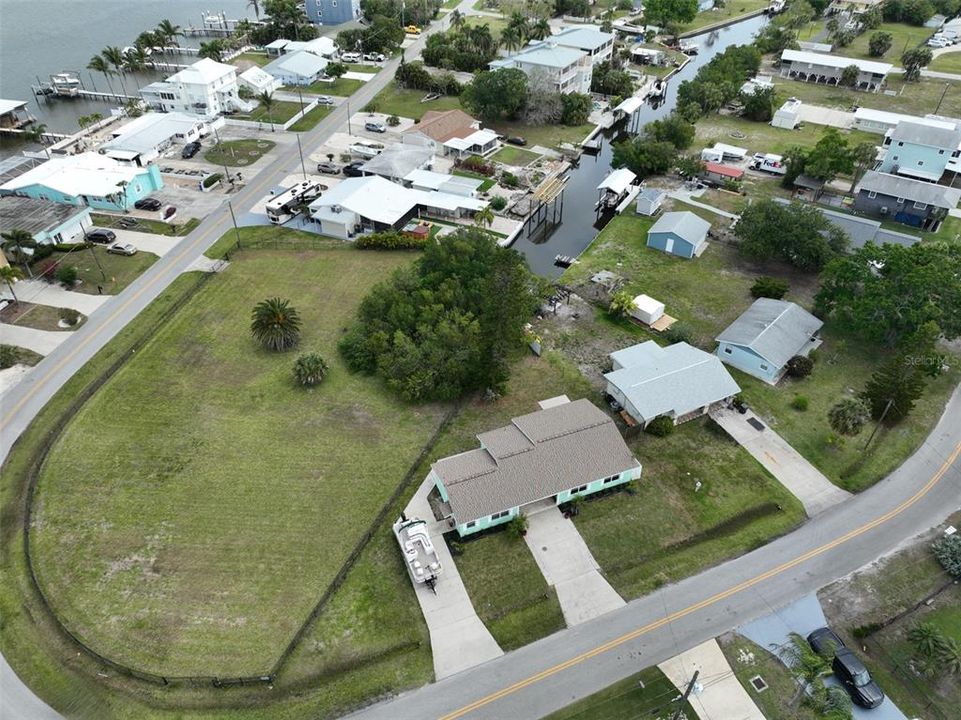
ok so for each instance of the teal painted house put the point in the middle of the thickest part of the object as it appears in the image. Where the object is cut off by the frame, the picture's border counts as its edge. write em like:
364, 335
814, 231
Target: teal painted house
49, 223
88, 179
558, 453
679, 233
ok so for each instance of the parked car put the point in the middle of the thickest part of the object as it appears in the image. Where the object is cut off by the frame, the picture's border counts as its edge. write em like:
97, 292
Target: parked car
353, 169
375, 127
169, 212
825, 642
350, 57
148, 204
412, 30
99, 235
122, 249
375, 57
328, 168
516, 140
190, 149
325, 100
856, 679
938, 42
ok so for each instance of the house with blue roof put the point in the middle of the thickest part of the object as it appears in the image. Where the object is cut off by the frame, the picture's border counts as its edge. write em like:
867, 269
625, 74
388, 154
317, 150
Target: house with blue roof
678, 381
679, 233
598, 45
919, 151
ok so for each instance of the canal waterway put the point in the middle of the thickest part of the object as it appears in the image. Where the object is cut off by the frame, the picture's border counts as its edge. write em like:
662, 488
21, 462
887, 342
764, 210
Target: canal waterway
578, 223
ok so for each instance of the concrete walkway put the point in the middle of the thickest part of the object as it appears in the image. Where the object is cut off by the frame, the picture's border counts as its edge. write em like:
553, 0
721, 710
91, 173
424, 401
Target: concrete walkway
718, 693
805, 482
567, 565
44, 293
40, 341
458, 638
12, 375
688, 197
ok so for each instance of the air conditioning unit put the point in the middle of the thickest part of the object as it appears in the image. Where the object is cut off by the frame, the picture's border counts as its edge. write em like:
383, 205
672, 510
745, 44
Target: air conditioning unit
884, 210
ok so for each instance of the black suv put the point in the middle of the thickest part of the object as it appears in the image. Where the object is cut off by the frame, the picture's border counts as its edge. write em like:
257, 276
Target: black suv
848, 668
353, 170
190, 149
148, 204
101, 236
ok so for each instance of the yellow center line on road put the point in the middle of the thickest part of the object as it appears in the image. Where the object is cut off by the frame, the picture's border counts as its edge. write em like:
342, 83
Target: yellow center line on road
724, 594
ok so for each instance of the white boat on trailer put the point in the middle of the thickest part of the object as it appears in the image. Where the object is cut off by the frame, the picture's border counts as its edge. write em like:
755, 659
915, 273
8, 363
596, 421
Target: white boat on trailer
418, 550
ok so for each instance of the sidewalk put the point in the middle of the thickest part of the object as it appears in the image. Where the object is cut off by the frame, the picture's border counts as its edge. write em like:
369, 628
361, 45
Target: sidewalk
40, 341
567, 564
43, 293
805, 481
688, 197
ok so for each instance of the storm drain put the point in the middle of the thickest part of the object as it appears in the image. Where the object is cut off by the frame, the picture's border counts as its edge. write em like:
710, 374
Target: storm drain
758, 683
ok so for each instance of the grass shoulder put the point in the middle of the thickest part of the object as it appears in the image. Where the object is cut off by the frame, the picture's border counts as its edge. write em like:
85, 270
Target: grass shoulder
238, 153
42, 317
647, 694
310, 120
146, 225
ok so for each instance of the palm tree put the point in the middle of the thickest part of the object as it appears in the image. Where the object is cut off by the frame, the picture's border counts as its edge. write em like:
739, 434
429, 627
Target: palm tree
806, 665
255, 4
926, 638
831, 703
213, 50
135, 60
148, 40
267, 100
310, 369
98, 64
457, 19
540, 30
35, 133
511, 39
849, 416
116, 58
10, 275
275, 324
17, 240
484, 217
169, 32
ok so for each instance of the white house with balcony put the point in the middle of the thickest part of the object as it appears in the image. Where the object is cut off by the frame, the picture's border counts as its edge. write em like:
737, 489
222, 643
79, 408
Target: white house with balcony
589, 39
567, 69
207, 88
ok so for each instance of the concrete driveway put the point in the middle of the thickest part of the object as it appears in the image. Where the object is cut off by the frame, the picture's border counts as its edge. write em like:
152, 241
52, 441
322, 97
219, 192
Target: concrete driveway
805, 481
43, 342
44, 293
458, 638
159, 245
718, 693
567, 564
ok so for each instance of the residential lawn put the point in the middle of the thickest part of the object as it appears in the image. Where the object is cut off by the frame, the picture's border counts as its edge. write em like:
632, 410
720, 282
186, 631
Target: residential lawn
395, 100
280, 112
947, 62
904, 36
259, 59
844, 364
450, 4
733, 9
510, 155
507, 589
647, 694
342, 87
26, 357
154, 227
118, 270
357, 67
237, 153
40, 317
950, 231
749, 660
549, 136
761, 137
310, 120
496, 25
197, 507
663, 529
484, 187
915, 98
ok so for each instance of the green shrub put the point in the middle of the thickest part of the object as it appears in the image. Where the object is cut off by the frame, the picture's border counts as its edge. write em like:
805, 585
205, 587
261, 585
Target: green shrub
390, 240
211, 180
498, 203
768, 287
67, 274
948, 552
800, 403
59, 247
517, 527
310, 369
509, 179
863, 631
69, 316
9, 356
661, 426
800, 366
678, 332
370, 107
393, 121
476, 164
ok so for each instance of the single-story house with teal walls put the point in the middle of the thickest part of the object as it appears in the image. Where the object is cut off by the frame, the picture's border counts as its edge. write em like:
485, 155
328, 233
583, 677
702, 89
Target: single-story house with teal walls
88, 179
678, 381
558, 453
49, 223
679, 233
766, 336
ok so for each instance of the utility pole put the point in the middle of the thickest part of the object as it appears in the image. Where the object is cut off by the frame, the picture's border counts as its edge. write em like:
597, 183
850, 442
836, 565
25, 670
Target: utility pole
234, 220
686, 695
89, 245
300, 149
943, 93
878, 425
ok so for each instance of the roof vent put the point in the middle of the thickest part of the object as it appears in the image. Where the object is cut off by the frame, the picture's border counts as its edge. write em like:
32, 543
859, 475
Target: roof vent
335, 208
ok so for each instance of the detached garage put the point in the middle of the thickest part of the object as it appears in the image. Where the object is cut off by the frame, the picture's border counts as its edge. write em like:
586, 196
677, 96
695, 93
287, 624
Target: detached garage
679, 233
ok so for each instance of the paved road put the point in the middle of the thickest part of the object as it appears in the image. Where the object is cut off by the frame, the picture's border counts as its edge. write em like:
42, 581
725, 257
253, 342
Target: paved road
549, 674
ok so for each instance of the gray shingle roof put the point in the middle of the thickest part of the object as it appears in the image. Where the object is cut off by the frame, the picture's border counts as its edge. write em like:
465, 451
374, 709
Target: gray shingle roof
398, 161
537, 456
861, 230
672, 380
915, 190
774, 329
34, 216
920, 134
684, 224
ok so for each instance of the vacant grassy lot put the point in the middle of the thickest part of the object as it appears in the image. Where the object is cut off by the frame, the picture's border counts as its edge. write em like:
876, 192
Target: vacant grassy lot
154, 227
40, 317
904, 37
947, 62
310, 120
914, 98
733, 9
342, 87
118, 270
761, 137
238, 153
255, 58
280, 112
401, 102
510, 155
648, 694
545, 135
666, 530
496, 25
200, 503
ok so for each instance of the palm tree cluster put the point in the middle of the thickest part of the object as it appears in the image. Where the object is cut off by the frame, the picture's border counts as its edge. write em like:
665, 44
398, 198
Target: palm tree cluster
310, 369
13, 243
934, 652
464, 47
808, 669
275, 324
114, 61
520, 30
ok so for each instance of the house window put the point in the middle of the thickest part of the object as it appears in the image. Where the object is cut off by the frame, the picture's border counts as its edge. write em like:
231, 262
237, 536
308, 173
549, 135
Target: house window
729, 351
580, 489
940, 152
900, 201
471, 524
900, 144
501, 514
920, 205
763, 366
920, 163
612, 478
872, 194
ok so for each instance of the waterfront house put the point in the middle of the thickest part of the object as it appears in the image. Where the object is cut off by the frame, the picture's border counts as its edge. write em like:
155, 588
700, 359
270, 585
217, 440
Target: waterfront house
598, 45
258, 81
14, 114
332, 12
912, 202
555, 454
861, 230
766, 335
429, 181
299, 68
87, 179
821, 68
207, 88
144, 139
371, 203
678, 381
679, 233
323, 46
49, 223
649, 201
920, 151
562, 69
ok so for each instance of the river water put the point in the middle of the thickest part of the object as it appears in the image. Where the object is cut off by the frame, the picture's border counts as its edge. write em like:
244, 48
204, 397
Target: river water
579, 224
